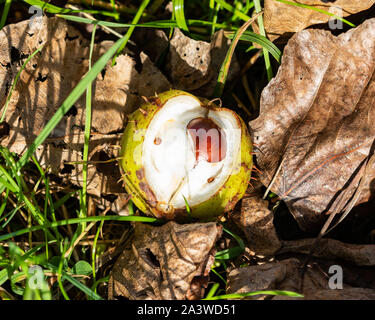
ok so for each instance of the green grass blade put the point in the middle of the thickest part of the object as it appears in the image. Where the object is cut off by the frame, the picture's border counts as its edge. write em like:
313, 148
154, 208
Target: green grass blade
213, 290
154, 24
75, 221
160, 24
8, 181
250, 36
262, 31
228, 254
83, 211
255, 293
3, 276
178, 9
50, 8
187, 206
128, 34
233, 10
223, 73
70, 100
219, 276
47, 7
16, 79
91, 294
317, 10
4, 203
4, 16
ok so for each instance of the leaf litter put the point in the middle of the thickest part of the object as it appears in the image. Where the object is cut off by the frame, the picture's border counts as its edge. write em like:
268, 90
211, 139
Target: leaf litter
315, 129
282, 19
314, 124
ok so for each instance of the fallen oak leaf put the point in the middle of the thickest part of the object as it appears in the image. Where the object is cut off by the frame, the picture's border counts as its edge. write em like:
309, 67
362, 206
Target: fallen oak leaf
194, 65
357, 254
285, 275
166, 262
256, 222
282, 18
316, 121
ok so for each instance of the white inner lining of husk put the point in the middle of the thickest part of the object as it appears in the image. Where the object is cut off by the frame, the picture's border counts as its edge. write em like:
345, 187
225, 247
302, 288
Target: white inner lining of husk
170, 164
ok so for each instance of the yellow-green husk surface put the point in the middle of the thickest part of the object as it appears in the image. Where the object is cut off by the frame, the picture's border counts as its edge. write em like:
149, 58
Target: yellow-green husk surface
133, 174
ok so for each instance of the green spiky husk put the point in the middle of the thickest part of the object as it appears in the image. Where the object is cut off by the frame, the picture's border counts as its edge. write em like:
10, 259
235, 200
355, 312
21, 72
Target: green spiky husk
142, 195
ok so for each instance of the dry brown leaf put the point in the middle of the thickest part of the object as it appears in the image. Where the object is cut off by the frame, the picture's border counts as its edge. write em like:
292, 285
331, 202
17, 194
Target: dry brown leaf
168, 262
281, 19
47, 81
194, 65
316, 122
286, 275
357, 254
256, 222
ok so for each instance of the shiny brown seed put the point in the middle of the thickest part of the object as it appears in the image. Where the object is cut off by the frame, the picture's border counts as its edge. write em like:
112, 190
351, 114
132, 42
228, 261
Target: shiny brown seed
157, 141
209, 140
209, 180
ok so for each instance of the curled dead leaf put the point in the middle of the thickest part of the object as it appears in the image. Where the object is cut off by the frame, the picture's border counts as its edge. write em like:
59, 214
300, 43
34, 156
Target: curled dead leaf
315, 130
168, 262
286, 275
256, 222
357, 254
281, 19
194, 65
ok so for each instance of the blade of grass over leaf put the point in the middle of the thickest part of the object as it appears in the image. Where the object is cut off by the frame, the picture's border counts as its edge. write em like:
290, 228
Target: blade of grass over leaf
16, 79
223, 74
128, 34
75, 221
306, 6
93, 251
255, 293
161, 24
87, 132
232, 9
50, 8
60, 270
219, 275
214, 12
250, 36
213, 290
262, 31
70, 100
231, 253
178, 10
47, 6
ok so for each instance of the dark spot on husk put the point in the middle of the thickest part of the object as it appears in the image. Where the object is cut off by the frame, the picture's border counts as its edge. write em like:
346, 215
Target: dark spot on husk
150, 196
230, 205
140, 174
155, 101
